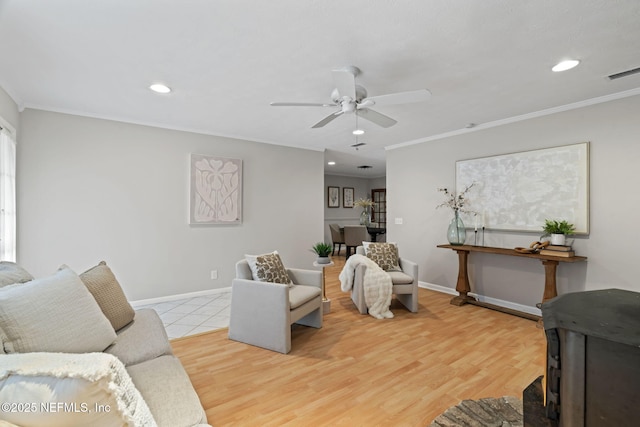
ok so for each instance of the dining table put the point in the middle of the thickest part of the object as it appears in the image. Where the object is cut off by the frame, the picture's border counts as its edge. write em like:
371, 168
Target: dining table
374, 232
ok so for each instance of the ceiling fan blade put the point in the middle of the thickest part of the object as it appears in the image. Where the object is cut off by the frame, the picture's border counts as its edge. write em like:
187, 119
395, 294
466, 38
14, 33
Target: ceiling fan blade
400, 97
300, 104
377, 118
328, 119
345, 81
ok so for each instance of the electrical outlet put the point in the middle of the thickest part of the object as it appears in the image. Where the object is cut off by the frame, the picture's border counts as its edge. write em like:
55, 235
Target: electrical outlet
214, 274
399, 221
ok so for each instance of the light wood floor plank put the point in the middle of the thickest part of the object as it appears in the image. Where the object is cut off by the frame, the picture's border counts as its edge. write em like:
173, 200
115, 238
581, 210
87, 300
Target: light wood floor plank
358, 370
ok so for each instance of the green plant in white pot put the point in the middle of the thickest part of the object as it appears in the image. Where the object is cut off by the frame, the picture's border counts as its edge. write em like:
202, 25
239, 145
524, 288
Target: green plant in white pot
323, 250
558, 230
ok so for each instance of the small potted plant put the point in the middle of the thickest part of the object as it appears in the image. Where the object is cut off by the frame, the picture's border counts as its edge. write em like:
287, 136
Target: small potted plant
323, 250
558, 230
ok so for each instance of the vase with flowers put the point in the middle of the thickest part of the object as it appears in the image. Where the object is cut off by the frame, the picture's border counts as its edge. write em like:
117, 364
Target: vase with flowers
366, 205
456, 232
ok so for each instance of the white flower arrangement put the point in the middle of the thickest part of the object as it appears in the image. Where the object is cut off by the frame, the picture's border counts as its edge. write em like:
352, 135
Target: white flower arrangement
363, 203
456, 201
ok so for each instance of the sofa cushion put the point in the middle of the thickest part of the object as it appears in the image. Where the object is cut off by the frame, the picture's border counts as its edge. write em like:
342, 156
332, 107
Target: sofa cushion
108, 294
384, 254
11, 273
268, 268
64, 389
165, 386
55, 314
143, 339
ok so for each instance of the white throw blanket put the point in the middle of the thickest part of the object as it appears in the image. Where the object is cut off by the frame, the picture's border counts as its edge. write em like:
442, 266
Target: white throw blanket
376, 282
95, 387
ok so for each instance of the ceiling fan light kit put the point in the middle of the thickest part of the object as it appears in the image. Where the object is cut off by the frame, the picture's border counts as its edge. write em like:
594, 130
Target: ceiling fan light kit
351, 98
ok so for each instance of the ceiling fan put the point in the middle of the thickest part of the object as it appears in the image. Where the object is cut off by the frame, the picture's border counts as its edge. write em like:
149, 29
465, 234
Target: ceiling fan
352, 98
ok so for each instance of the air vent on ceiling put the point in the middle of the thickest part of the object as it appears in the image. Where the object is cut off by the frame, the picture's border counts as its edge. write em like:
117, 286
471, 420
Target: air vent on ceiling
624, 74
365, 167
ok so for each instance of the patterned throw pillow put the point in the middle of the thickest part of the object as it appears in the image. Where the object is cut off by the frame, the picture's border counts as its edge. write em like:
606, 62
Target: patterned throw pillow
268, 268
384, 254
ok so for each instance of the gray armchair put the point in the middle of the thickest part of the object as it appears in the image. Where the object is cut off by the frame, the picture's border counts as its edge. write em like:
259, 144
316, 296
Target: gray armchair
262, 313
405, 284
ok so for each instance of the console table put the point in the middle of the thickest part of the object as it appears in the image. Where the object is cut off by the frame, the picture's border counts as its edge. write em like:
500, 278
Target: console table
550, 265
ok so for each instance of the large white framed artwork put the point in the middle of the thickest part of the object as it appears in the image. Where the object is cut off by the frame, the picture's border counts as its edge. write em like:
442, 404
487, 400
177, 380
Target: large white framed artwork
216, 190
518, 191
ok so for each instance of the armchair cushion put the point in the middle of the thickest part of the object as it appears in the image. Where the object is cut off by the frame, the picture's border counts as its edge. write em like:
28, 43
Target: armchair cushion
400, 278
268, 268
300, 294
384, 254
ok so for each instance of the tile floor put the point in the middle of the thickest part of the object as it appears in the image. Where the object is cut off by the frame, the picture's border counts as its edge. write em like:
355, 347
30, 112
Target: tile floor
194, 315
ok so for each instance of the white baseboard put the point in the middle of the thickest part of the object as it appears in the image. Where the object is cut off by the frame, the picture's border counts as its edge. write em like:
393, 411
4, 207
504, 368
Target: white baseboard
493, 301
148, 301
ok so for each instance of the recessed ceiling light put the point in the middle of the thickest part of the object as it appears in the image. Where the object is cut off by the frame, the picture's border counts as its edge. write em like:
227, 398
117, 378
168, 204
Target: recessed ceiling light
160, 88
565, 65
331, 163
358, 132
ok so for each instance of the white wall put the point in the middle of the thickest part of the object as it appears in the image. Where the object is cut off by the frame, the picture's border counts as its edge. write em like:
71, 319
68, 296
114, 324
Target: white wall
415, 172
91, 190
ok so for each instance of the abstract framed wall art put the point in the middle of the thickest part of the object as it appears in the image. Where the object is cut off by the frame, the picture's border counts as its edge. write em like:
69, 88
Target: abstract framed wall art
518, 191
215, 190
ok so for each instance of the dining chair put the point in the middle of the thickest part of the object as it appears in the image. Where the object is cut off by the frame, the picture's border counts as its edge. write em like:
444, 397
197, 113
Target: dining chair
354, 235
337, 236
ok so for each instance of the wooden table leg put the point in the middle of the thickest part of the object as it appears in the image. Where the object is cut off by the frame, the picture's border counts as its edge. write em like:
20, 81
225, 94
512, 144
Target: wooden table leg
550, 290
462, 286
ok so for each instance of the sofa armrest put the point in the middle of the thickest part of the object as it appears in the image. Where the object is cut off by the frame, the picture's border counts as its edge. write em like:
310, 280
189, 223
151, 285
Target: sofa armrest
409, 267
305, 277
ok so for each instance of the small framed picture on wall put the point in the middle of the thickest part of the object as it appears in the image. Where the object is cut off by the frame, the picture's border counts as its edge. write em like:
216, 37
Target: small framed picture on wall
347, 197
333, 197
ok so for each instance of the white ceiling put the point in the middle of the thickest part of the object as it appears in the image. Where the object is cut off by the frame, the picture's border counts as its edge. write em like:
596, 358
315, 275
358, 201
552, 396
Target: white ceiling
226, 60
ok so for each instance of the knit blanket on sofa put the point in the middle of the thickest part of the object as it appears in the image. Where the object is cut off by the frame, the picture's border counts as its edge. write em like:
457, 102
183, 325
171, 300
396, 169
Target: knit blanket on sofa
376, 283
67, 389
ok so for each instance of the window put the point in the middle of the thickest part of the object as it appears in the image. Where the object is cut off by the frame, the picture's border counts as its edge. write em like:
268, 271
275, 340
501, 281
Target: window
379, 213
7, 195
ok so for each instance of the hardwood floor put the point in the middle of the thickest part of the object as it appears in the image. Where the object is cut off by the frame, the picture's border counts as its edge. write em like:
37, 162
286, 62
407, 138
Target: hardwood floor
358, 370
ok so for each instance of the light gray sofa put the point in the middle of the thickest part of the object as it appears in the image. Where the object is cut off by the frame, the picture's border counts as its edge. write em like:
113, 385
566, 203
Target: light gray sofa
136, 376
